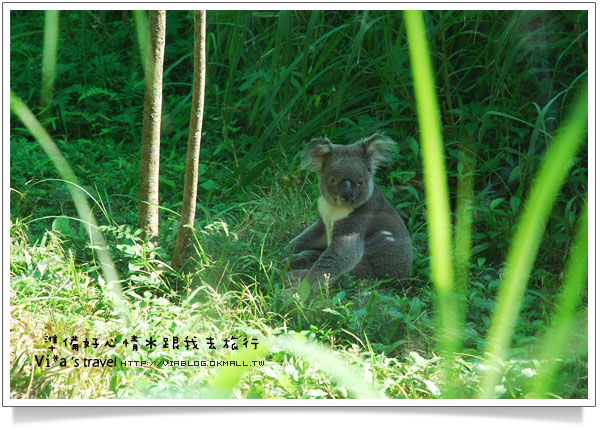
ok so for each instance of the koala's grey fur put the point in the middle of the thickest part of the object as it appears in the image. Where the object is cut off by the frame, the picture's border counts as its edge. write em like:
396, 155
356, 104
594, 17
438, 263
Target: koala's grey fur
358, 232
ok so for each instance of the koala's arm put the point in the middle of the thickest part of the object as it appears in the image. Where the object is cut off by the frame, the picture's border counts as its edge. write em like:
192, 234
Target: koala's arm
343, 254
314, 237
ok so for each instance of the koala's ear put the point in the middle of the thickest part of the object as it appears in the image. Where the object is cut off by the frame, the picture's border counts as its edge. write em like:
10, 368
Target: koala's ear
378, 150
313, 154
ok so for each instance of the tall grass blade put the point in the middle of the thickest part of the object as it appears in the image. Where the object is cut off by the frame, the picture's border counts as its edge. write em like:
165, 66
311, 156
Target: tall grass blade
436, 188
49, 62
141, 27
555, 340
83, 209
527, 240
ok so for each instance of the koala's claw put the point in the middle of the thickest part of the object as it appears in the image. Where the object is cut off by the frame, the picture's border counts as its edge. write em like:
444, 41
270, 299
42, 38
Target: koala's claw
377, 241
304, 259
293, 277
289, 249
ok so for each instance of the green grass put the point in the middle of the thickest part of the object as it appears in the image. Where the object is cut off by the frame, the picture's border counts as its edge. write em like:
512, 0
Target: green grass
504, 84
80, 308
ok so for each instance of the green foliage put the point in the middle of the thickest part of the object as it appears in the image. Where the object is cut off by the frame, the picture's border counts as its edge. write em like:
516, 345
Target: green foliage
505, 82
529, 233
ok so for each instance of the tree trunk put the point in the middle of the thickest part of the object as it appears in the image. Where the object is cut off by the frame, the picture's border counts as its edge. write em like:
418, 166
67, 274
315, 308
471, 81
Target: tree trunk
188, 211
148, 206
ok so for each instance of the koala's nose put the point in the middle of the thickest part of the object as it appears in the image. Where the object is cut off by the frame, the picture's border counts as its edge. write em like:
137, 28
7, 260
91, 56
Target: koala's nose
345, 190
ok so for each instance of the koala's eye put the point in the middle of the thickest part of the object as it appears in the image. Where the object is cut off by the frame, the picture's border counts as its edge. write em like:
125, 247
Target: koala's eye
332, 180
361, 183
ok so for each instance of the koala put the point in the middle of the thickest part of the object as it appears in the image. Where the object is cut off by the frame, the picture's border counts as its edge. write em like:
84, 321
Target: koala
358, 232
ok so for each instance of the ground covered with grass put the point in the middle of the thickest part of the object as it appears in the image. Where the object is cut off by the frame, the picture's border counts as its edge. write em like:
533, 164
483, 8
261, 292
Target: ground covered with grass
505, 81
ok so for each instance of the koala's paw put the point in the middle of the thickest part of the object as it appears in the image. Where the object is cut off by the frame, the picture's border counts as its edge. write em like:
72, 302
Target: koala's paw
294, 277
377, 241
288, 250
301, 260
304, 259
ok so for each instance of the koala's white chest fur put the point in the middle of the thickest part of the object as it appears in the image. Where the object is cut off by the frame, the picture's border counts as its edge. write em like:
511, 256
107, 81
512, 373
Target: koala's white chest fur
330, 214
